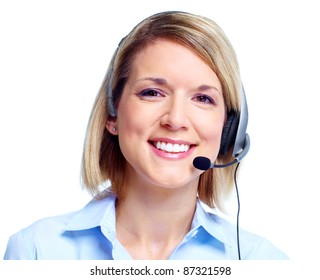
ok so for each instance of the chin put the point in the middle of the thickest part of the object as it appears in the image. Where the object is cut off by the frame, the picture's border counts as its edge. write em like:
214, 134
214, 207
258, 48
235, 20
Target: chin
175, 183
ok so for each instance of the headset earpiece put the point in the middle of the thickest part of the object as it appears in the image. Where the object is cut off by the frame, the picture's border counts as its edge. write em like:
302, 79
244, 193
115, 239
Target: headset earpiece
229, 132
234, 132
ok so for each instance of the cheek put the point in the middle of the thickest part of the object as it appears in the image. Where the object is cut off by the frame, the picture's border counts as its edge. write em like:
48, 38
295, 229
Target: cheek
133, 126
213, 134
132, 120
210, 130
129, 134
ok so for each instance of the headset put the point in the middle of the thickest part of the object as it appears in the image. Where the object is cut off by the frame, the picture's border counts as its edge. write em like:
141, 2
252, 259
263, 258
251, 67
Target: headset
109, 96
233, 134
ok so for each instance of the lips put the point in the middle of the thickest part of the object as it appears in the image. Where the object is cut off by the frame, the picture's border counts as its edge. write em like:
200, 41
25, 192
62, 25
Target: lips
171, 148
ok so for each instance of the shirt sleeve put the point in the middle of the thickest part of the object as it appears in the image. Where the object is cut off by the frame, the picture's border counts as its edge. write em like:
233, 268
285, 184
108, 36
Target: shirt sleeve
18, 248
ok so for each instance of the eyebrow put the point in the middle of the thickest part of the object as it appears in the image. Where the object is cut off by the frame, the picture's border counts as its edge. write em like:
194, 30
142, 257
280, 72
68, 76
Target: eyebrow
158, 81
161, 81
206, 87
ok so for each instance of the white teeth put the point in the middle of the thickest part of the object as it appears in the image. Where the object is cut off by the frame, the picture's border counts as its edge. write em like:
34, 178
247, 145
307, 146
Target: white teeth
171, 148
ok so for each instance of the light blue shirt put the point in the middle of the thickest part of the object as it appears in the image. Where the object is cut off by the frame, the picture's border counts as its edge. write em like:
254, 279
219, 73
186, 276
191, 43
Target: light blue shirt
91, 234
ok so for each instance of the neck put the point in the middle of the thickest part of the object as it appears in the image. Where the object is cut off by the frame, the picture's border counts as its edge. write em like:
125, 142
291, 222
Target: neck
152, 221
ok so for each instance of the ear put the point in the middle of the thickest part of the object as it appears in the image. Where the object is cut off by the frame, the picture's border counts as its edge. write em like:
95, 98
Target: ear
111, 126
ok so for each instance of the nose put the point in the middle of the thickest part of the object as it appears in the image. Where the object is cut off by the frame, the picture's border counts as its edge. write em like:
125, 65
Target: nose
176, 113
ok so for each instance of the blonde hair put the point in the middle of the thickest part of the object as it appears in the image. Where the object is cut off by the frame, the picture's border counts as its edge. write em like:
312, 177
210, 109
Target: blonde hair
102, 157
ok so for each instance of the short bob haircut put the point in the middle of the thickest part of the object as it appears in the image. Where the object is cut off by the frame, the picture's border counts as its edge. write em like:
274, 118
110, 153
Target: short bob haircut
103, 160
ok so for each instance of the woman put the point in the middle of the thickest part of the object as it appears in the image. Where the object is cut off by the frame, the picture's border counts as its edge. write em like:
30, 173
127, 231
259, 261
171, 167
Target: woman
165, 100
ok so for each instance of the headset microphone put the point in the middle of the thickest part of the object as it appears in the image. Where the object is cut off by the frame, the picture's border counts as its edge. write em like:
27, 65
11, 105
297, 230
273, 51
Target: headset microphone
204, 163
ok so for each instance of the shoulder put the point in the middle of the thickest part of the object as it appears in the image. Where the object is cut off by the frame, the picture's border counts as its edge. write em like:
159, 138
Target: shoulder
25, 243
44, 238
255, 247
252, 246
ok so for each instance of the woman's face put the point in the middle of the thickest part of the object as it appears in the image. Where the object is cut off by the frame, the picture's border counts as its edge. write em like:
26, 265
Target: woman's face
171, 111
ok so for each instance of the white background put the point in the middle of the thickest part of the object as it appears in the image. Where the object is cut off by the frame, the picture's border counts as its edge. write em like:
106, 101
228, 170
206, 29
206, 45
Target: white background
54, 55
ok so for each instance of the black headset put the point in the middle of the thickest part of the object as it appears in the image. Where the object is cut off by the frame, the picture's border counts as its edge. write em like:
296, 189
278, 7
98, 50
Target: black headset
234, 132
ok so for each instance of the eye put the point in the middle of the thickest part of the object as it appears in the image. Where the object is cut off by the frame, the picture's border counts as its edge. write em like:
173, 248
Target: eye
151, 93
204, 99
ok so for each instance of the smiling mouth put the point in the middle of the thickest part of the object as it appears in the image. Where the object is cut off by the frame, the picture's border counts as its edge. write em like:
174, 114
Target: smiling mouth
171, 148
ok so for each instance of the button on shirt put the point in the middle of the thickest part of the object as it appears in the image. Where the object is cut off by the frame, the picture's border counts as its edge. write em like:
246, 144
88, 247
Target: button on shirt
91, 234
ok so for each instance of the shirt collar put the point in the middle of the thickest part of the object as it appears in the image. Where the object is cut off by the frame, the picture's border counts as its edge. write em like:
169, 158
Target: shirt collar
98, 212
101, 212
213, 224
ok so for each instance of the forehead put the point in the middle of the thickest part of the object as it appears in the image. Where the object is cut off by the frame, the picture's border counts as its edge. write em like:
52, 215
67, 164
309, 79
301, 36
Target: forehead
160, 47
170, 63
168, 55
